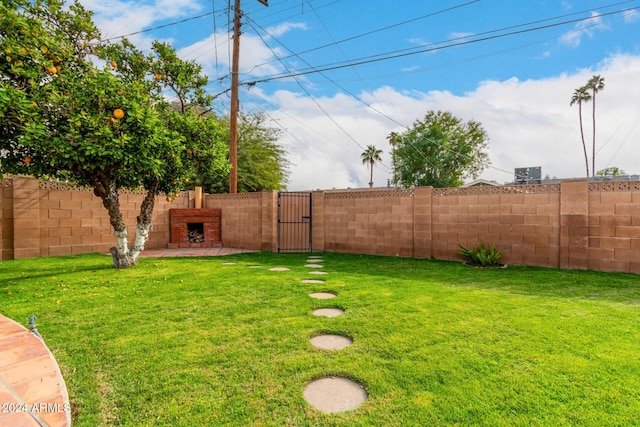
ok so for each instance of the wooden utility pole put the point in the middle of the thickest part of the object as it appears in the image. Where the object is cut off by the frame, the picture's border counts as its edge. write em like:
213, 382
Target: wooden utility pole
235, 104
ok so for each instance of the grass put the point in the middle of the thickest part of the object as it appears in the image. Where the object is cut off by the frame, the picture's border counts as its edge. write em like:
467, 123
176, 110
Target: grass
191, 341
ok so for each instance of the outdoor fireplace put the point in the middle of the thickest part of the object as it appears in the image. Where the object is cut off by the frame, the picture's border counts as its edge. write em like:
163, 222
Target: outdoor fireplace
195, 228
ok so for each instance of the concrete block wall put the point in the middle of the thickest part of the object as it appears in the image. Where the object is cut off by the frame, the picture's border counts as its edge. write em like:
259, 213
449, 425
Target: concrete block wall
249, 220
379, 222
521, 221
6, 219
613, 222
575, 224
41, 218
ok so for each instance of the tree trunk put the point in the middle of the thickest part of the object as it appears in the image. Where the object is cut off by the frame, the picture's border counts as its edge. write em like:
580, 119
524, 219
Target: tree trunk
110, 200
371, 176
144, 226
593, 145
584, 145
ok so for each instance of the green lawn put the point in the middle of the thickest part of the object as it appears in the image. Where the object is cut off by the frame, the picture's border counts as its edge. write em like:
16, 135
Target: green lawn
194, 342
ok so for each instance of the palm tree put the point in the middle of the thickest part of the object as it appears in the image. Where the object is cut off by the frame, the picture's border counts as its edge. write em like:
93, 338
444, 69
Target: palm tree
596, 84
581, 95
369, 157
393, 141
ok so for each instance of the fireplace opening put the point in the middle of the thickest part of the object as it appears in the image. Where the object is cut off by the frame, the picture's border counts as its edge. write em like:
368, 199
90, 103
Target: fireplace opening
195, 232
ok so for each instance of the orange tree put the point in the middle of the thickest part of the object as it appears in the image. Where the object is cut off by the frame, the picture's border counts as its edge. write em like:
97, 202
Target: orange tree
78, 109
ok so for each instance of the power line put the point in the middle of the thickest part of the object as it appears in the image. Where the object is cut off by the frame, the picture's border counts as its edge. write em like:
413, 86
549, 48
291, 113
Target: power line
170, 24
395, 55
325, 112
368, 33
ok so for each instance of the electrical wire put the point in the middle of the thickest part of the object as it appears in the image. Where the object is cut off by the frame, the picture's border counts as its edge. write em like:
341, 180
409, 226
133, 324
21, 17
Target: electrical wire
325, 112
392, 55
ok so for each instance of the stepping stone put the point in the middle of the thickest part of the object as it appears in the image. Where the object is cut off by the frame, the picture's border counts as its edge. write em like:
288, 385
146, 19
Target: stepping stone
313, 281
228, 263
313, 266
254, 266
279, 269
312, 260
328, 312
331, 342
318, 272
322, 295
331, 395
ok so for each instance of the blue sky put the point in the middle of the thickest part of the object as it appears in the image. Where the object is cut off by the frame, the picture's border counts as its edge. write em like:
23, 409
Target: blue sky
519, 86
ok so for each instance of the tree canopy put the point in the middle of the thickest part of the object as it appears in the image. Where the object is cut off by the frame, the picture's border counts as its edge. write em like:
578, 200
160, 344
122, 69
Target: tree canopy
262, 163
440, 151
98, 114
369, 157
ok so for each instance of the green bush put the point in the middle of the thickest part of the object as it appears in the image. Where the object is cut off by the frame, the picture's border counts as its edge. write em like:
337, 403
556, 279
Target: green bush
482, 255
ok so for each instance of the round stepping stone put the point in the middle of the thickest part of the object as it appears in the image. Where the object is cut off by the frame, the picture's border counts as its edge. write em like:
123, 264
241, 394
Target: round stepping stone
313, 266
312, 281
322, 295
318, 272
332, 395
279, 269
331, 342
254, 266
312, 260
228, 263
328, 312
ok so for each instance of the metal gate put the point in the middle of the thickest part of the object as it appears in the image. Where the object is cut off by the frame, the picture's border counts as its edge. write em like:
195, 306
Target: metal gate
294, 222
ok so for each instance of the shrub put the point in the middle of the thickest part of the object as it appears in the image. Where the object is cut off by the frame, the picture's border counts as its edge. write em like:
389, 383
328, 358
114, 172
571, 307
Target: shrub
482, 255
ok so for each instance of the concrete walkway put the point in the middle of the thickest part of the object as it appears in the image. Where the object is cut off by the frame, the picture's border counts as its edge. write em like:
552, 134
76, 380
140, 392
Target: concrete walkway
32, 390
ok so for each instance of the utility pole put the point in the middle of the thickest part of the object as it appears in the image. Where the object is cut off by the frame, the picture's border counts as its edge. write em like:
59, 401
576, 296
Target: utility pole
235, 104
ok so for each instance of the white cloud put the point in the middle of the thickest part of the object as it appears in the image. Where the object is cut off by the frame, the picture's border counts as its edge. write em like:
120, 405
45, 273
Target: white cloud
285, 28
117, 18
631, 16
530, 123
587, 28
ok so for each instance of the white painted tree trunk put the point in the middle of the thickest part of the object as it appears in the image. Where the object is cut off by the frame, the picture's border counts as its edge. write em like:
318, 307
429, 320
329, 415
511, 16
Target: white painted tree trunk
120, 253
142, 235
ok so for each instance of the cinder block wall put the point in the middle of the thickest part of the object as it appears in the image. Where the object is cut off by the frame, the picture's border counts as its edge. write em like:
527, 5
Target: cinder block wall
614, 226
574, 224
249, 220
377, 222
6, 219
522, 221
41, 218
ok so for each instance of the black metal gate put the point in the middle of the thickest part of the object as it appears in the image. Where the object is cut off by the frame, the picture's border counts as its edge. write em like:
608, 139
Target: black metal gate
294, 222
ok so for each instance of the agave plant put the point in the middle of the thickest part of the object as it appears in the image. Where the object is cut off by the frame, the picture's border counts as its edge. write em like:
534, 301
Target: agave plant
482, 255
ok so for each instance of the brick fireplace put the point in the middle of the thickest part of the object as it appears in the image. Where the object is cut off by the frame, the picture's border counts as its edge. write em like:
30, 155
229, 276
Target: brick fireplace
195, 228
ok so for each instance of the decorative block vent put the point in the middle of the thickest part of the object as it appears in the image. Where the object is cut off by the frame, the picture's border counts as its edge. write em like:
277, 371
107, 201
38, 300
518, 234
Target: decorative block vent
195, 228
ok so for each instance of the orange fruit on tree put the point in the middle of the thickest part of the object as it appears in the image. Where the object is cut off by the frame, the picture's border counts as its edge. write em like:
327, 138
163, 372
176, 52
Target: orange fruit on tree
158, 77
26, 160
114, 64
118, 113
169, 199
52, 70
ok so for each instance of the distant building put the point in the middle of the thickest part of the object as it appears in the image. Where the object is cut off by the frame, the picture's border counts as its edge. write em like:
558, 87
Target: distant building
481, 183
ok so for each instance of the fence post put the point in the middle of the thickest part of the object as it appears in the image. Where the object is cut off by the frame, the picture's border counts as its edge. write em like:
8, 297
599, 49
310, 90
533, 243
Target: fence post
574, 224
26, 218
269, 221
